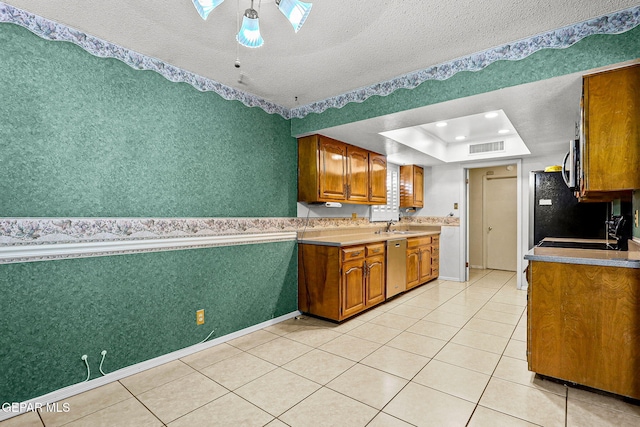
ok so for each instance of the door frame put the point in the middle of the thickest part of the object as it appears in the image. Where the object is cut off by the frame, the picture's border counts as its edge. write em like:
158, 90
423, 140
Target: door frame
464, 220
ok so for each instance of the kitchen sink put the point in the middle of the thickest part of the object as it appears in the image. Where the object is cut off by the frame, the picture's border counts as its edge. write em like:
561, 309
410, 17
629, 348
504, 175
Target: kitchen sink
396, 232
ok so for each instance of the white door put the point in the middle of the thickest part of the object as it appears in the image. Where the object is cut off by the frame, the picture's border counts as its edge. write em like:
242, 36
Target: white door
500, 223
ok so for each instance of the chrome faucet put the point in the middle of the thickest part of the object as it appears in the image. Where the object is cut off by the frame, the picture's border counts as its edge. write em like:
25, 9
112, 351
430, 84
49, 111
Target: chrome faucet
388, 228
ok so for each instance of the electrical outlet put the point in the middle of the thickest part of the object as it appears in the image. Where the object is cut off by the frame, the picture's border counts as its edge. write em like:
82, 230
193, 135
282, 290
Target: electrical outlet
200, 317
455, 206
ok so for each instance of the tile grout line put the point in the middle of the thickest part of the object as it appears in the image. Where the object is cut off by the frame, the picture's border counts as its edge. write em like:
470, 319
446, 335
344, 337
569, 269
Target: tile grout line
341, 334
432, 358
142, 403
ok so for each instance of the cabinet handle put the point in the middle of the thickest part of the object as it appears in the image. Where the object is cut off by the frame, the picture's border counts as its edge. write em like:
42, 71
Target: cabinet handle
355, 253
375, 251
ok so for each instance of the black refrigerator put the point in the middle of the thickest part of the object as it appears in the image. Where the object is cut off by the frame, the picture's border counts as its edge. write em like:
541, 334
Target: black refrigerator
557, 213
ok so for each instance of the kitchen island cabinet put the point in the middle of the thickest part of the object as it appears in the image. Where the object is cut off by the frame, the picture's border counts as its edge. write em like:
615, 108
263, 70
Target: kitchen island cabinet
584, 322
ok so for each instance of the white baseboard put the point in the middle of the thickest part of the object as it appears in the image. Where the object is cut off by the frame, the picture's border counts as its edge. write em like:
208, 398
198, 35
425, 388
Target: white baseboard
75, 389
479, 267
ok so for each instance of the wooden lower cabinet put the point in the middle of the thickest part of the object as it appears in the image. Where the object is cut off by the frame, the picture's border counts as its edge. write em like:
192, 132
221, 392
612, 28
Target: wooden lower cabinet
423, 260
339, 282
352, 288
584, 325
375, 277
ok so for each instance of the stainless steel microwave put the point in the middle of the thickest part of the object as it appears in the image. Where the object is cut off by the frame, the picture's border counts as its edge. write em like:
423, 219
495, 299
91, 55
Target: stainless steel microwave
571, 165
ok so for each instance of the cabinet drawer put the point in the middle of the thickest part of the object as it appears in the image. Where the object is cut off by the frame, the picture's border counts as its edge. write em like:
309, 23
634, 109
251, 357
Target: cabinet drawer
354, 252
418, 241
375, 249
435, 240
435, 250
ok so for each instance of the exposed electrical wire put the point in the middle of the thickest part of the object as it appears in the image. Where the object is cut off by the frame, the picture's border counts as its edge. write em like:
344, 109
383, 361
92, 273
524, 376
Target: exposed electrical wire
208, 336
103, 353
85, 357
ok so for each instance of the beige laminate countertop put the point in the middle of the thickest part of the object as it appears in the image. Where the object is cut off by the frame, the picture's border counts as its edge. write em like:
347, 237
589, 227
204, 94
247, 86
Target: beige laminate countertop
627, 259
363, 238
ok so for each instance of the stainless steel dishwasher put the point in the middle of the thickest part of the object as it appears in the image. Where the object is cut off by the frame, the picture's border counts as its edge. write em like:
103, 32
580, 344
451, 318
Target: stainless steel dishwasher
396, 266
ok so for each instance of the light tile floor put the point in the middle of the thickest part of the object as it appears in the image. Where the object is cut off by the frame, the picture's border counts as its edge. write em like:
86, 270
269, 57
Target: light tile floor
444, 354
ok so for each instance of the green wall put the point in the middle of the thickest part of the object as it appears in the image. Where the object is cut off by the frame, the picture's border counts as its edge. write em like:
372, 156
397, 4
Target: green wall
87, 136
136, 306
82, 136
591, 52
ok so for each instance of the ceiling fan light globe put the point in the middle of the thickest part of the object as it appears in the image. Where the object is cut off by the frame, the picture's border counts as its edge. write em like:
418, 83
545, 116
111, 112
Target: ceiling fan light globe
249, 34
295, 11
204, 7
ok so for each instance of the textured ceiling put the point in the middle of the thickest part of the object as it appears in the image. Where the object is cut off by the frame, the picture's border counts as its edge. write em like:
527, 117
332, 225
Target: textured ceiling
344, 45
347, 45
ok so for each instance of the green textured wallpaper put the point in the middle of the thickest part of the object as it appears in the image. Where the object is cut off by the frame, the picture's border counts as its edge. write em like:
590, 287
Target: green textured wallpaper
87, 136
137, 307
591, 52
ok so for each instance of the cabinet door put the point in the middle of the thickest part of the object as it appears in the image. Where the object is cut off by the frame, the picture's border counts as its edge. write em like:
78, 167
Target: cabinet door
418, 187
425, 263
611, 146
413, 267
333, 169
352, 287
375, 280
358, 178
411, 186
377, 178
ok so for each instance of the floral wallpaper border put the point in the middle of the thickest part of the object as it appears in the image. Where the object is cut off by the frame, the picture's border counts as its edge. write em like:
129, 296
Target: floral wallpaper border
34, 231
614, 23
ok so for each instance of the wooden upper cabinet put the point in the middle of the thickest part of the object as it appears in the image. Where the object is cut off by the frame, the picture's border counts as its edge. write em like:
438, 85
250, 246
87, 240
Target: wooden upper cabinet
411, 186
378, 178
357, 175
332, 171
610, 144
